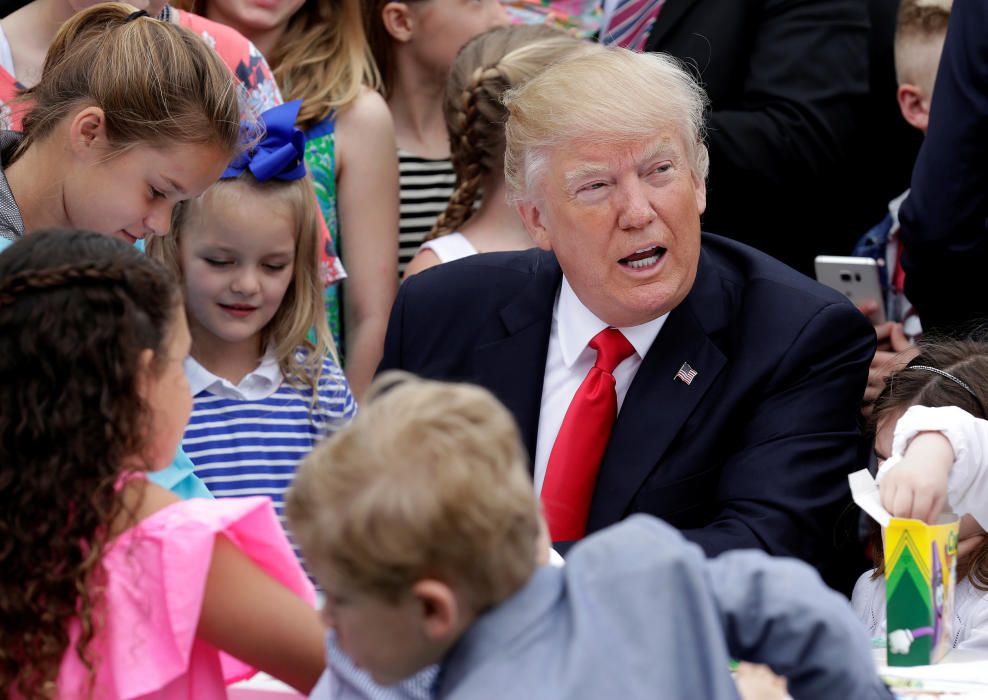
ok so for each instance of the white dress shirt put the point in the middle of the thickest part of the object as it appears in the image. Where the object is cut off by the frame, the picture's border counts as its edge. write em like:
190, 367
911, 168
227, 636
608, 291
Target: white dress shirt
568, 361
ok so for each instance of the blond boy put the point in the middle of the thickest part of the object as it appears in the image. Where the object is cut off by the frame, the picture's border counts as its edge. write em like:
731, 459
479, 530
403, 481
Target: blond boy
920, 32
421, 523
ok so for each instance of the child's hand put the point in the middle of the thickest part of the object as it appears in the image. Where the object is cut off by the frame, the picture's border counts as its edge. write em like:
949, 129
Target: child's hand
916, 486
757, 682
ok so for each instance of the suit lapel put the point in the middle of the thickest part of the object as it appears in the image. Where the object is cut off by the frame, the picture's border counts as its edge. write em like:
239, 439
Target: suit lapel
513, 366
657, 404
672, 11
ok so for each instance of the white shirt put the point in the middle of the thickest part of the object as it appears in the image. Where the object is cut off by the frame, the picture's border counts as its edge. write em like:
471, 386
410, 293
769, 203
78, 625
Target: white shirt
257, 385
452, 246
568, 361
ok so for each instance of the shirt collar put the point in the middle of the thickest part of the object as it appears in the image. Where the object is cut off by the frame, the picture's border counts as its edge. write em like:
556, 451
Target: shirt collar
577, 325
259, 384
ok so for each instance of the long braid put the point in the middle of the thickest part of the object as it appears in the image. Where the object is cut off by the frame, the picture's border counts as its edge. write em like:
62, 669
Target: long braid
486, 67
97, 273
471, 161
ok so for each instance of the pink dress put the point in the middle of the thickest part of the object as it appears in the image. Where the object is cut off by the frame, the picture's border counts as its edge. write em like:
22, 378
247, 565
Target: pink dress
156, 575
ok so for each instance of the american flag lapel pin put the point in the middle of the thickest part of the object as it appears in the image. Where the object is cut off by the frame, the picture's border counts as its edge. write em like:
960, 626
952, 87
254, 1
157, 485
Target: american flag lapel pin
686, 374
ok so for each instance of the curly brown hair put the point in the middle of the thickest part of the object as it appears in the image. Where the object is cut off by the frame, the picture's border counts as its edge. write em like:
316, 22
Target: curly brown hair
967, 360
76, 310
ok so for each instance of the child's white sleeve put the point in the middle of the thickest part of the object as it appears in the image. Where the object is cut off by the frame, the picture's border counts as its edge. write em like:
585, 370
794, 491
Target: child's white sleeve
967, 487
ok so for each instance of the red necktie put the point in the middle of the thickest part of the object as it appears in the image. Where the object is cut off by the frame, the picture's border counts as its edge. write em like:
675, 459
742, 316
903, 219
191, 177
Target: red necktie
575, 458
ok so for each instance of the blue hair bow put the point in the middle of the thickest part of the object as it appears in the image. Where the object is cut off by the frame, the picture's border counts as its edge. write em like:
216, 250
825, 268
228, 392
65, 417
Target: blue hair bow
280, 154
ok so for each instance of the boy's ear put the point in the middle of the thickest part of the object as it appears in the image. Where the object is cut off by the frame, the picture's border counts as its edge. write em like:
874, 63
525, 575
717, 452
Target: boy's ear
915, 107
87, 130
398, 20
442, 616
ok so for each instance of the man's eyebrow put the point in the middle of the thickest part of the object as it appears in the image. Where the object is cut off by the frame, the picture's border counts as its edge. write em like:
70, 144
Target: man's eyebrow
582, 172
663, 149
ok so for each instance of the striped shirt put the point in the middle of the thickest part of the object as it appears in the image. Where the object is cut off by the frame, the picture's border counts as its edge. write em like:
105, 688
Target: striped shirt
247, 440
426, 186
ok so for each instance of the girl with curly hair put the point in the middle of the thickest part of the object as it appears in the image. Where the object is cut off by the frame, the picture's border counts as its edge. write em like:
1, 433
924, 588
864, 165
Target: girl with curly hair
111, 587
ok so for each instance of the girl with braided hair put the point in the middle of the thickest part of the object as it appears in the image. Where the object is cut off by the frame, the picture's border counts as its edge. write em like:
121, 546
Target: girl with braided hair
485, 68
111, 587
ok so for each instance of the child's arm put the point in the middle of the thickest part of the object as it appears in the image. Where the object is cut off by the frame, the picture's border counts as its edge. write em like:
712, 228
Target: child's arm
779, 613
367, 197
249, 615
938, 455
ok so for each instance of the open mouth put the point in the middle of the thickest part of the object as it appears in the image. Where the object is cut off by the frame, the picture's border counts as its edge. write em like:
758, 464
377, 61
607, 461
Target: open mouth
643, 258
128, 236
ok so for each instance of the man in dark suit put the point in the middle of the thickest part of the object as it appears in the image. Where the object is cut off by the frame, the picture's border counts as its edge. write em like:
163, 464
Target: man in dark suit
789, 125
945, 218
738, 386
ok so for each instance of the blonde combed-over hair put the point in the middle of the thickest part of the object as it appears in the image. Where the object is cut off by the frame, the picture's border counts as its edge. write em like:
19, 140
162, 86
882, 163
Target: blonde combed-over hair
429, 480
609, 96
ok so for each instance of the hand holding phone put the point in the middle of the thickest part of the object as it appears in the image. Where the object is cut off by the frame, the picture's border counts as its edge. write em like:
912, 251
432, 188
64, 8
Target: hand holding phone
856, 278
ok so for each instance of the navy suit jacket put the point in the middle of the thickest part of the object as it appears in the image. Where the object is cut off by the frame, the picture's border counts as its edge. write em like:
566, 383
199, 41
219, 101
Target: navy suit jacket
945, 219
753, 453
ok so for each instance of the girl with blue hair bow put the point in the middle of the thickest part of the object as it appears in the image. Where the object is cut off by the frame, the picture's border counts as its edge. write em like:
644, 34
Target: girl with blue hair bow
265, 382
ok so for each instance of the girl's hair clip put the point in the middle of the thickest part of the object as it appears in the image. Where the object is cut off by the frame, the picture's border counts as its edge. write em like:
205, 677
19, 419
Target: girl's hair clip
279, 154
134, 15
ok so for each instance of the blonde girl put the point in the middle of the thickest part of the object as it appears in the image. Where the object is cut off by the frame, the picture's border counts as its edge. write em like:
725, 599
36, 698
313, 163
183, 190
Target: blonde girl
319, 55
263, 392
485, 68
414, 44
112, 587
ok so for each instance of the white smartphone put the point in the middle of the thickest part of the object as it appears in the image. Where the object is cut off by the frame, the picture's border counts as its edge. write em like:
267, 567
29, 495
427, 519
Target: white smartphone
856, 278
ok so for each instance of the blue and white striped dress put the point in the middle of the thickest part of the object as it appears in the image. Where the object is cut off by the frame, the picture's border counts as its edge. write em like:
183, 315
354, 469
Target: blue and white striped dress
247, 440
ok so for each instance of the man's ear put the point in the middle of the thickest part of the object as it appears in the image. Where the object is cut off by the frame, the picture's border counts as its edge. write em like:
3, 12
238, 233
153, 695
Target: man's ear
442, 616
915, 107
398, 20
87, 131
531, 215
700, 192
